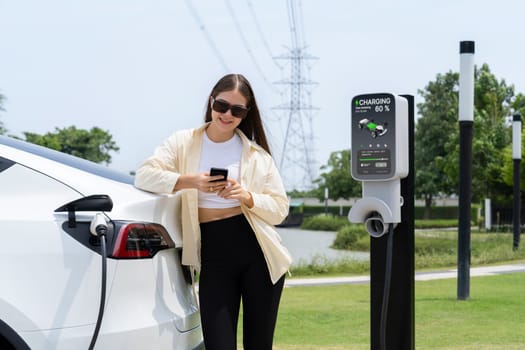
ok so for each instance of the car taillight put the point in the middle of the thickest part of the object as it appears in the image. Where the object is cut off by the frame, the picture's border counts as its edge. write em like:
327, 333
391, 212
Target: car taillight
140, 240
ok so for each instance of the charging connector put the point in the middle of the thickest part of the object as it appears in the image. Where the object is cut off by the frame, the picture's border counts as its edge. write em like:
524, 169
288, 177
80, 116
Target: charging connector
99, 226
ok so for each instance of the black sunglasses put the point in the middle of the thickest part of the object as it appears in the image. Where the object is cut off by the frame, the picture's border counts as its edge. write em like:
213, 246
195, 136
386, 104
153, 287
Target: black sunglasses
222, 106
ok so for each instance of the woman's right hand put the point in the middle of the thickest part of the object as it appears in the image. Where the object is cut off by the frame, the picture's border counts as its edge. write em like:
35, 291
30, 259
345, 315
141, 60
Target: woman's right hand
202, 182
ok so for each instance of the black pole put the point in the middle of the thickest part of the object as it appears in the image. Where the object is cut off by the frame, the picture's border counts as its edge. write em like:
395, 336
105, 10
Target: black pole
466, 117
516, 206
516, 156
400, 330
465, 182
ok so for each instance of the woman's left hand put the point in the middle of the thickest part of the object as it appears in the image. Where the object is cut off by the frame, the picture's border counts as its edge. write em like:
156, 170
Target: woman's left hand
234, 191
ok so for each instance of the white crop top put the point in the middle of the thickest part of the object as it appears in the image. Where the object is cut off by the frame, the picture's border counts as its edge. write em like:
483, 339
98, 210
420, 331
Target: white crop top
220, 155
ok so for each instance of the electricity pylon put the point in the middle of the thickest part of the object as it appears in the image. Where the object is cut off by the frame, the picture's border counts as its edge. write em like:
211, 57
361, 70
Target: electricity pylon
298, 163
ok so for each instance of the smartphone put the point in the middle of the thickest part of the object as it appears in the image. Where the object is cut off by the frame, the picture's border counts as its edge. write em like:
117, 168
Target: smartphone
219, 171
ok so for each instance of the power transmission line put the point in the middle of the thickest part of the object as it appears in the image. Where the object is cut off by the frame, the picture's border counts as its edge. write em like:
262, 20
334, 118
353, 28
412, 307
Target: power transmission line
301, 24
261, 34
197, 18
272, 116
246, 44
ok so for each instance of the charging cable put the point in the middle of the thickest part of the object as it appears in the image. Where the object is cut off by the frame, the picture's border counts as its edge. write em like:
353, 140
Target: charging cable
386, 287
99, 228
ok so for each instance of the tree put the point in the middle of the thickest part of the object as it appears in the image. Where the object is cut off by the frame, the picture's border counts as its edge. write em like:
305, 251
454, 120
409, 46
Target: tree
491, 135
437, 136
337, 178
433, 131
95, 144
518, 105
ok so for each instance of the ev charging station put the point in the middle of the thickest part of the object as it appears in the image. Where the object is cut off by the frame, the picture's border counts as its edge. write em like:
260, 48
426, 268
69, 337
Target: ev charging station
379, 159
382, 152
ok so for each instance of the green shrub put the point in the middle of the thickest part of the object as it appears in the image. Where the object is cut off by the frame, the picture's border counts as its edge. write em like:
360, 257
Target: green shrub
436, 212
441, 223
348, 236
329, 222
323, 223
312, 210
321, 265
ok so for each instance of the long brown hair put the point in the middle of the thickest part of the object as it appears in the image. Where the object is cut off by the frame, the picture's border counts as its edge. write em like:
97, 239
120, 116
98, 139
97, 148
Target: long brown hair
252, 125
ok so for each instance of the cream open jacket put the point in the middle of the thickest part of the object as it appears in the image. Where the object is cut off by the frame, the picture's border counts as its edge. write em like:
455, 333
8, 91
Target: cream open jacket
180, 154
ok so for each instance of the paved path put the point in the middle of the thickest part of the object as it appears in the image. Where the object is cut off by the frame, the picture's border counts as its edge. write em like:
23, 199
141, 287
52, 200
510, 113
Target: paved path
420, 276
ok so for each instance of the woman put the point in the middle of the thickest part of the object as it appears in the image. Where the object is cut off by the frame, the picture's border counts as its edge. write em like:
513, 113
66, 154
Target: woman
228, 231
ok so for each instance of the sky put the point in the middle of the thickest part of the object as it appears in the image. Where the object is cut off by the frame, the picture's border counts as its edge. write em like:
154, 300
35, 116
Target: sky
142, 69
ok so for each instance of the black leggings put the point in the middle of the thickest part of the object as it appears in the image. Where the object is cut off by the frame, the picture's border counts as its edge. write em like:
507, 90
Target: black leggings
233, 267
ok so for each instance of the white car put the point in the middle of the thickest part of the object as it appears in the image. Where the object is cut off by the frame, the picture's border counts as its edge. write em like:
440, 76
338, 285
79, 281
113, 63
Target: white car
55, 210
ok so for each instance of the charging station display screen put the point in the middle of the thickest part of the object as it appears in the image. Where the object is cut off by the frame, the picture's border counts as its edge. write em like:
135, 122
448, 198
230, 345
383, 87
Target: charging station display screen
373, 161
373, 136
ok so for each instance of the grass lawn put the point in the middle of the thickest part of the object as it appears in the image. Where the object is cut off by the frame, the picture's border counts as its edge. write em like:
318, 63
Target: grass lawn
337, 317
